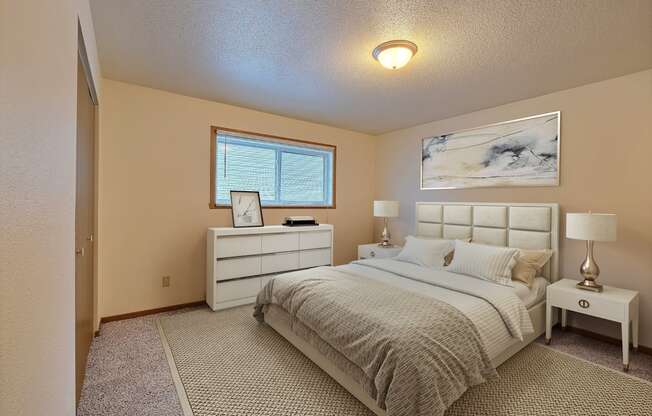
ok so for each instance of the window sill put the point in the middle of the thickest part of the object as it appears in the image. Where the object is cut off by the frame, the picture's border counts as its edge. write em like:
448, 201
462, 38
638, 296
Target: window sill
213, 205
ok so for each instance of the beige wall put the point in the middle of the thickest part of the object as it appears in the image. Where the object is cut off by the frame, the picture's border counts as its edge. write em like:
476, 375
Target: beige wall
38, 98
606, 146
154, 191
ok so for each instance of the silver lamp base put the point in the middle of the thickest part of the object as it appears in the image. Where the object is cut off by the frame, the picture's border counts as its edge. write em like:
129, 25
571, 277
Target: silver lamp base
590, 271
589, 285
385, 241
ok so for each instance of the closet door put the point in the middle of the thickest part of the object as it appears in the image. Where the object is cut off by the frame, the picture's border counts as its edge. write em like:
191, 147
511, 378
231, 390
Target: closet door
84, 222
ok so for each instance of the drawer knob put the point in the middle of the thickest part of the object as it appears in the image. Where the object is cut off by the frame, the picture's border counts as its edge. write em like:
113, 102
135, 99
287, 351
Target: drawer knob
584, 303
373, 253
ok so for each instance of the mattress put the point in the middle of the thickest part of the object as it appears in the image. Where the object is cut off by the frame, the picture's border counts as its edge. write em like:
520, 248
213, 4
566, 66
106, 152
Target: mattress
491, 326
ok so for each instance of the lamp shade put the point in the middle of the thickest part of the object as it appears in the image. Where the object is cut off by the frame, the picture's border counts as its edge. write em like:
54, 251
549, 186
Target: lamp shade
593, 227
387, 209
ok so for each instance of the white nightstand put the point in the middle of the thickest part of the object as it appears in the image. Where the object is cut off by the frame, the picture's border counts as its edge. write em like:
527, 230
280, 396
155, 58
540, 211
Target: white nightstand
612, 303
370, 251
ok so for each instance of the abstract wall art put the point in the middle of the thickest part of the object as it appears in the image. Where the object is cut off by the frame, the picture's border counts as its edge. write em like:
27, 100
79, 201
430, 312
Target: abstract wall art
523, 152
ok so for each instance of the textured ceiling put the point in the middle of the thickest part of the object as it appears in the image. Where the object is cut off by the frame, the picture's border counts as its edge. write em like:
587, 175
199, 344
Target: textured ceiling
312, 59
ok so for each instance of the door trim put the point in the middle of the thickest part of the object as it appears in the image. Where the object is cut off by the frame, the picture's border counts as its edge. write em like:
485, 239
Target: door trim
83, 57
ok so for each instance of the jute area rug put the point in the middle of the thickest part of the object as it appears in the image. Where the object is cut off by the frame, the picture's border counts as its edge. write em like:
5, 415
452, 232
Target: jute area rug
226, 363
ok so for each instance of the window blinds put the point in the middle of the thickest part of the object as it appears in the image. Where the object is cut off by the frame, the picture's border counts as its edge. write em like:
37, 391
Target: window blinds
285, 173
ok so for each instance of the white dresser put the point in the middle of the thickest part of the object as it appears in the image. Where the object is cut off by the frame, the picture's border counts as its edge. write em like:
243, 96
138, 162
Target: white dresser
240, 261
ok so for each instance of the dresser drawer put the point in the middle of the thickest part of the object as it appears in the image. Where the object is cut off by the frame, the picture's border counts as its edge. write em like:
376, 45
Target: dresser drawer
237, 267
272, 263
244, 245
588, 303
313, 258
237, 289
314, 239
274, 243
265, 279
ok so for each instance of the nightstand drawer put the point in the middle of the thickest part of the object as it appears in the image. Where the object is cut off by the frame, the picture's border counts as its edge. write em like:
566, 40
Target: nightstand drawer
374, 251
371, 253
587, 303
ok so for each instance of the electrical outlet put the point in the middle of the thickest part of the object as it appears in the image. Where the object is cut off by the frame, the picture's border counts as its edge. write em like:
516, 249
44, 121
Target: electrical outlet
166, 281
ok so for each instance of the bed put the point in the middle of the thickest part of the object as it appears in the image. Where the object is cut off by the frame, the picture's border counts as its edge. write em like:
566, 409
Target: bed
494, 311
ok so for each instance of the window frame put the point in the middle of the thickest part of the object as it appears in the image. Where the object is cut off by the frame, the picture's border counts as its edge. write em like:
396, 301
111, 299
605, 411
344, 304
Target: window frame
274, 139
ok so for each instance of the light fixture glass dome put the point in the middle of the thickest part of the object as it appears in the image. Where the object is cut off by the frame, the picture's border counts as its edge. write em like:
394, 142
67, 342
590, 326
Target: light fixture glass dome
394, 54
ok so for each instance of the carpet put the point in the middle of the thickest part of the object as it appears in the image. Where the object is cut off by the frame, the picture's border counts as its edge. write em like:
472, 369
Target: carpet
226, 363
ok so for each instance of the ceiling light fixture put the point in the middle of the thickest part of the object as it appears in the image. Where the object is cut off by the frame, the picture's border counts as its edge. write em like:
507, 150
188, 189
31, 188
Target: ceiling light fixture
394, 54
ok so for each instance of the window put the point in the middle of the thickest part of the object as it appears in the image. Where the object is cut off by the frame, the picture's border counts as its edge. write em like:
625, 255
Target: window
286, 173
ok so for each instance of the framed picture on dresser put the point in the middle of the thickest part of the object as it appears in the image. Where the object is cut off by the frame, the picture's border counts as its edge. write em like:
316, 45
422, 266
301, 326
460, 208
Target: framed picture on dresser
246, 210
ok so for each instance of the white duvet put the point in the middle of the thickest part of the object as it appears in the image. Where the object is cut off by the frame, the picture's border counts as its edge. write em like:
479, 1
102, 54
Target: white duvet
498, 330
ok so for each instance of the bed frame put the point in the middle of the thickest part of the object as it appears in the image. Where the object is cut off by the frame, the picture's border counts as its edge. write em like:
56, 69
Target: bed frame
519, 225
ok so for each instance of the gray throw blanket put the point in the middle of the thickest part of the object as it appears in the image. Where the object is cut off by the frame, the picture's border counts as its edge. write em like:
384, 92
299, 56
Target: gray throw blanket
414, 355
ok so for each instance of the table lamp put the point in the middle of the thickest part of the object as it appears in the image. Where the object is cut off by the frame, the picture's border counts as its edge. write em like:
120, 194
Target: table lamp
386, 209
590, 227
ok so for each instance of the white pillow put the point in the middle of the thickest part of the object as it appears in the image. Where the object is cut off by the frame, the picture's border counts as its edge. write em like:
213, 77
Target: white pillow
425, 252
486, 262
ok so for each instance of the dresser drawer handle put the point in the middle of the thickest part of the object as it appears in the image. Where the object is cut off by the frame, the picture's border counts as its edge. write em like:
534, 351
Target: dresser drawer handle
584, 303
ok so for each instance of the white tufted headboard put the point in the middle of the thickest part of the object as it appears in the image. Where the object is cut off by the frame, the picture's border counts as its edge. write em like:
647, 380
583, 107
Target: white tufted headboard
521, 225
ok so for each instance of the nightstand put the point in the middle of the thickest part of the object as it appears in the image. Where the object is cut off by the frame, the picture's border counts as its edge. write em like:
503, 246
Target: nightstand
370, 251
612, 303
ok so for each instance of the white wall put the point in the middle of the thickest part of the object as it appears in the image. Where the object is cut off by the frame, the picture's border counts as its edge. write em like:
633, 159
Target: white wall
38, 73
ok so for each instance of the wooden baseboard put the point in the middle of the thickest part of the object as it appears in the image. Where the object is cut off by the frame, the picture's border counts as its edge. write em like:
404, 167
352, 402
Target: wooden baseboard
149, 312
603, 338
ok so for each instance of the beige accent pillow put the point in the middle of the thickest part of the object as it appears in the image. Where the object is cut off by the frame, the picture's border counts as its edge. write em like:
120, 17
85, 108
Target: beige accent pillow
529, 264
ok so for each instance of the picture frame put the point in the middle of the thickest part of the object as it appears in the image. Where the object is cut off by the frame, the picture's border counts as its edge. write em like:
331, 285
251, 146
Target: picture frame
246, 210
523, 152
